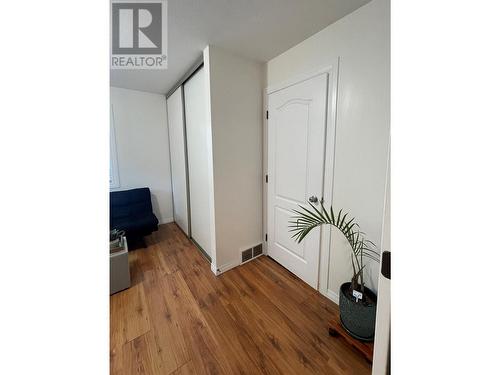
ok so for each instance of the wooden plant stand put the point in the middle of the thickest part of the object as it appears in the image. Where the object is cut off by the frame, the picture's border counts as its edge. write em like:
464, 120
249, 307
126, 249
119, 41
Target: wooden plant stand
366, 348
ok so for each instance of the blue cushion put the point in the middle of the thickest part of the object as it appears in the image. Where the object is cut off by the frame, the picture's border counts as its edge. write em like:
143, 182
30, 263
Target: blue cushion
132, 211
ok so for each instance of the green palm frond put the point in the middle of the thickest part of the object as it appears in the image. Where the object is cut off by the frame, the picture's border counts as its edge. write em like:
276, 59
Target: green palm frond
306, 219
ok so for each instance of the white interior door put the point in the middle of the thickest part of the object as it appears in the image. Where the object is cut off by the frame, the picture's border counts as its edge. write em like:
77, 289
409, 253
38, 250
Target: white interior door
198, 137
296, 153
177, 139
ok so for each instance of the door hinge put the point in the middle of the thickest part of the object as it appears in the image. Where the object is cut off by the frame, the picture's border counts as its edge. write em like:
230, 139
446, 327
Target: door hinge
267, 115
267, 179
266, 237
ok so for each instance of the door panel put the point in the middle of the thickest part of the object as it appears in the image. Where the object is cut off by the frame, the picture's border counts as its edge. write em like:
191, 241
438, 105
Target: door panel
177, 139
291, 150
283, 238
296, 147
198, 137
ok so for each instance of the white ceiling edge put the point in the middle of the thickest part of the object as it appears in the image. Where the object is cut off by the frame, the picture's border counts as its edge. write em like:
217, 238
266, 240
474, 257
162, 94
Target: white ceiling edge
258, 30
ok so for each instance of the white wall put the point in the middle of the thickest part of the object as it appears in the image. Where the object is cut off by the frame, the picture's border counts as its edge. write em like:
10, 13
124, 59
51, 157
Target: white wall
141, 133
362, 41
236, 86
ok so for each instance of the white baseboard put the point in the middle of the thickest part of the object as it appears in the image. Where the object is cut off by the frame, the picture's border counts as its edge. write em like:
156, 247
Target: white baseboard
214, 269
230, 265
167, 220
332, 295
226, 267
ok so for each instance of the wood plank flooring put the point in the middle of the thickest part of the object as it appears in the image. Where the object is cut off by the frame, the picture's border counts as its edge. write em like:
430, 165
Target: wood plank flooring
179, 318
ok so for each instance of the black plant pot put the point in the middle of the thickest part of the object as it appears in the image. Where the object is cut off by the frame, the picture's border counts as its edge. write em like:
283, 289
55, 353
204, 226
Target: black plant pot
358, 318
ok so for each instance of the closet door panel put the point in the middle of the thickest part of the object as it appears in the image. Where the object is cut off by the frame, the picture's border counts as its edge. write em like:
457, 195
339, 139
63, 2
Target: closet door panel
198, 138
175, 111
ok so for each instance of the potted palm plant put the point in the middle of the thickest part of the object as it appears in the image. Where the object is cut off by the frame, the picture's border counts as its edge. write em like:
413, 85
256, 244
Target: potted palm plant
357, 303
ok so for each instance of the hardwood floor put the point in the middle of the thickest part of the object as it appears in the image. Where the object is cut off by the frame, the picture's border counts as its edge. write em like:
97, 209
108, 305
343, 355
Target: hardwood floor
179, 318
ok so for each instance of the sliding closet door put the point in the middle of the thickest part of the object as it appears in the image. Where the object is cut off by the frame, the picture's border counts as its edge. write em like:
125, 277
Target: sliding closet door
175, 111
198, 137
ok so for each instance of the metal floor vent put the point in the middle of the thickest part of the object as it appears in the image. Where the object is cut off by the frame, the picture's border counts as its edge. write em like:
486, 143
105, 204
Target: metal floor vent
253, 252
257, 250
246, 255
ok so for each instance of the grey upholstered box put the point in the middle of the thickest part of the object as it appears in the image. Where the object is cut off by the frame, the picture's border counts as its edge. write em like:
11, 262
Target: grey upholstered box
119, 274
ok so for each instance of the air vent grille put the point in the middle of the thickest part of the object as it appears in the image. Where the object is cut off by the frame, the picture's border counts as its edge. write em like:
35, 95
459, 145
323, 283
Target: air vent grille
253, 252
246, 255
257, 250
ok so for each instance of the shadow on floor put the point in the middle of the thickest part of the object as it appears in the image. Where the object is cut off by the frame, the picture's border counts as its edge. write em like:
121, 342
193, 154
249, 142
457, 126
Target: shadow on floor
136, 243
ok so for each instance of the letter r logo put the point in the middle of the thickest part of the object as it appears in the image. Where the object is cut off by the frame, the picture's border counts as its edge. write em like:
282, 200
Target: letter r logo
137, 28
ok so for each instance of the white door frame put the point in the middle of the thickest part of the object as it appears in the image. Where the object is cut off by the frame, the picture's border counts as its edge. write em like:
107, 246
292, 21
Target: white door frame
333, 73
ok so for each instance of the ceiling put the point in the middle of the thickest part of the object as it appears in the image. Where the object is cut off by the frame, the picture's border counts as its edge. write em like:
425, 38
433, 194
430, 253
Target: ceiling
257, 29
